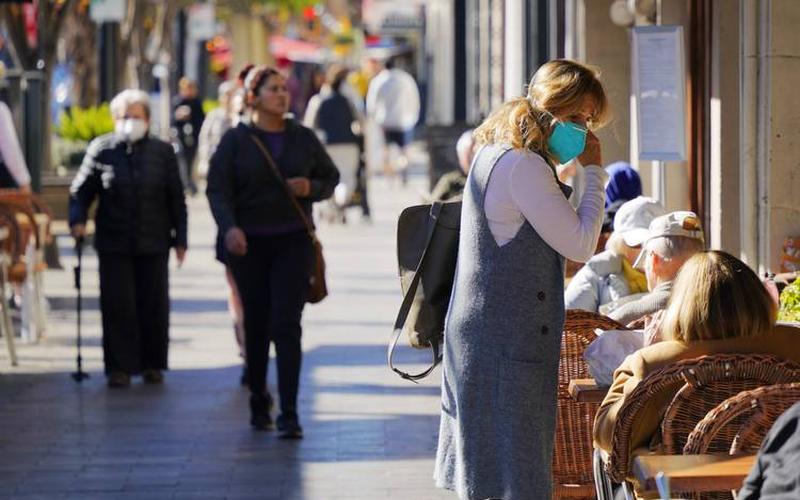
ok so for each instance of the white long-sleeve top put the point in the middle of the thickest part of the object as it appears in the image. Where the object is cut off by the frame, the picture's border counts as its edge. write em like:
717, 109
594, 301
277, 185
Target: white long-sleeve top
523, 187
393, 100
10, 150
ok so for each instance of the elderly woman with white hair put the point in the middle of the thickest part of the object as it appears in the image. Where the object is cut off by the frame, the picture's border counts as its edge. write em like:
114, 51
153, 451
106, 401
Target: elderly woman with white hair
141, 214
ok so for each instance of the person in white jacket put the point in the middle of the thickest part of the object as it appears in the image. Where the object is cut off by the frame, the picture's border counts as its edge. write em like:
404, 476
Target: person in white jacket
609, 279
393, 102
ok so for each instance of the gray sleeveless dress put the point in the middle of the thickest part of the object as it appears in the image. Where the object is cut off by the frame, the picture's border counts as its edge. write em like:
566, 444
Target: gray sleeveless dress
501, 350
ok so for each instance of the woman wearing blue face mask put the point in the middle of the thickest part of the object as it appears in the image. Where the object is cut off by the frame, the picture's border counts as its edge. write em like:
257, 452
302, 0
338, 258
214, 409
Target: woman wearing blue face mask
503, 329
141, 214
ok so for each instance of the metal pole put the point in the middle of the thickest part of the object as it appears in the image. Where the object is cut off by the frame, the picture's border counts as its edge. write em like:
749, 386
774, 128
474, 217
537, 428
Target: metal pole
107, 55
34, 110
660, 174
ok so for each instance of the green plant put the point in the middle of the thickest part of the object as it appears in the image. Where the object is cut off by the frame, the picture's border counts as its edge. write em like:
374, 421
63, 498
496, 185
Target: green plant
84, 124
790, 303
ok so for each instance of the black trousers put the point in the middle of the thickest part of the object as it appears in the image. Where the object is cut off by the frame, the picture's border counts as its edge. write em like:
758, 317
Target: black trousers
273, 282
134, 302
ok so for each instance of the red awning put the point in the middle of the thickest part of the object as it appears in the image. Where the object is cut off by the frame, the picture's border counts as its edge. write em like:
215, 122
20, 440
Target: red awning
293, 49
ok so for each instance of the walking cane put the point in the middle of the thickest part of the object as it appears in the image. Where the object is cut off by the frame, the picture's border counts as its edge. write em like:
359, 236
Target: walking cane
79, 375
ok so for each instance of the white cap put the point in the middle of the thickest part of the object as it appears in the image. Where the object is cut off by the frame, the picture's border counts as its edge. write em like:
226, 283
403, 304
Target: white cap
681, 223
633, 219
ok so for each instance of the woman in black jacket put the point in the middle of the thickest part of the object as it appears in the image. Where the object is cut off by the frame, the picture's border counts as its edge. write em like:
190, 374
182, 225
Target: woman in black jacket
267, 246
141, 213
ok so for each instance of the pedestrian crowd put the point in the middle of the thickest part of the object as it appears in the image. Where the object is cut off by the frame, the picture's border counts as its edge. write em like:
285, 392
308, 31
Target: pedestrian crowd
265, 168
269, 155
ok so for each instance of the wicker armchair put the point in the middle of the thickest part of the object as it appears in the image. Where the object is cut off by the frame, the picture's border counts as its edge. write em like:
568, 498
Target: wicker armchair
694, 386
739, 424
12, 247
572, 454
33, 218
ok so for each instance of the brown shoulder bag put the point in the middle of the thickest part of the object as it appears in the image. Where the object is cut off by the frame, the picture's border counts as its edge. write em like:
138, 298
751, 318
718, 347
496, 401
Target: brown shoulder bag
318, 288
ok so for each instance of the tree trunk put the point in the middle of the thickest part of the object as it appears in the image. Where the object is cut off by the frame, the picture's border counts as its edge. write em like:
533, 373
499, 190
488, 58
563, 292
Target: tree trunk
81, 38
50, 21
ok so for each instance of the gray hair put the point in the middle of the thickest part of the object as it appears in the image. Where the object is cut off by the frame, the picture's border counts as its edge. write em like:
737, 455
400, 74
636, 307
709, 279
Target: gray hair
675, 247
127, 98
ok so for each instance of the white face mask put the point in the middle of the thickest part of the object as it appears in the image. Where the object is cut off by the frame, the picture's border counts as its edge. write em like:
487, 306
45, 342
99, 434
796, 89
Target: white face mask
131, 129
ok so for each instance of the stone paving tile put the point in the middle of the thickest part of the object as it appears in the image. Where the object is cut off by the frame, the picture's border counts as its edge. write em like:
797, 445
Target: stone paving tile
369, 435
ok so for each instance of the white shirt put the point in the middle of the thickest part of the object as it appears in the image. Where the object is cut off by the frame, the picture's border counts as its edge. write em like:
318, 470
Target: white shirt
10, 150
523, 187
393, 100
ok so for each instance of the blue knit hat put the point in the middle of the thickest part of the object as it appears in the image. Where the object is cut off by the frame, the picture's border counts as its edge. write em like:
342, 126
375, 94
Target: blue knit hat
623, 183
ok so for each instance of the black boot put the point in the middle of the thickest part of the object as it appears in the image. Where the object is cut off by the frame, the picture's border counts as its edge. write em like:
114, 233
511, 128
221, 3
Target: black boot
260, 407
289, 426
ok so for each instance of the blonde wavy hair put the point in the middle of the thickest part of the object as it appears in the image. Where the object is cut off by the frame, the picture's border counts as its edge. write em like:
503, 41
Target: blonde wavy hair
559, 88
716, 296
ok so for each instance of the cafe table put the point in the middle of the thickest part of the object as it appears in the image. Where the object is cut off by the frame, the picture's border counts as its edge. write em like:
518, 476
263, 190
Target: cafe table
586, 390
693, 472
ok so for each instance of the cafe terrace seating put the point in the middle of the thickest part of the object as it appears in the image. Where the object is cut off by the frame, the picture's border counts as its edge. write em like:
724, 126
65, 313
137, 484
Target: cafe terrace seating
695, 386
739, 424
25, 221
572, 454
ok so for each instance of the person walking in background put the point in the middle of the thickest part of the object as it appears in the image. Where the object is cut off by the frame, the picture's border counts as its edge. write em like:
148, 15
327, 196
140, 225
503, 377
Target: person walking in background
265, 240
503, 328
333, 116
187, 119
141, 214
239, 114
216, 123
393, 102
13, 169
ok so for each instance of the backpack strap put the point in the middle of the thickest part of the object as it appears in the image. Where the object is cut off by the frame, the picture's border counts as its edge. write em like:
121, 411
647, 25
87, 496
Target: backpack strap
405, 308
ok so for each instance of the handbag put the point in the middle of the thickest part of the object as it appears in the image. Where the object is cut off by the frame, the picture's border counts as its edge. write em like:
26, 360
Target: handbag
427, 249
318, 288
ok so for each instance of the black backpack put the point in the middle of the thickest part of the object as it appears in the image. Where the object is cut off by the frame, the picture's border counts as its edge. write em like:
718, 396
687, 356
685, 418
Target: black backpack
427, 249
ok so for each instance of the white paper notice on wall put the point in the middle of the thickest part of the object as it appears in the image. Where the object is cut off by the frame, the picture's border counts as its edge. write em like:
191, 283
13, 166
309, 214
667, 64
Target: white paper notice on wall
102, 11
659, 86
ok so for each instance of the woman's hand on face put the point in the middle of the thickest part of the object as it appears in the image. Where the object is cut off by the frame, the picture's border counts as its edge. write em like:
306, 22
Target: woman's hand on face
591, 153
235, 241
301, 186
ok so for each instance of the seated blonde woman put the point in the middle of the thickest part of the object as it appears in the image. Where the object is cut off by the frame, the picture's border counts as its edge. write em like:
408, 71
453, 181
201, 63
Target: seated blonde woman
718, 305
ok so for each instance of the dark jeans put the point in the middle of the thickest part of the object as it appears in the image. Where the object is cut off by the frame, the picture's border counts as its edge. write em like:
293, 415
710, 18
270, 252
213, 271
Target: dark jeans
273, 282
134, 301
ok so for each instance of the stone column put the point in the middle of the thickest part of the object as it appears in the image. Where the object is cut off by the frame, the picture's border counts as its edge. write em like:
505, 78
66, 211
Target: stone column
607, 46
782, 139
723, 191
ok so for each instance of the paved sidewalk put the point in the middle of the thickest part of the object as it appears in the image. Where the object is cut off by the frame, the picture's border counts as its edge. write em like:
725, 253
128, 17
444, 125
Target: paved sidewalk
369, 435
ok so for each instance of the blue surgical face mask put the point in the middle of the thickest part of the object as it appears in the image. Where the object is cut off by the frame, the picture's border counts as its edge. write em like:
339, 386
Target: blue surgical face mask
567, 141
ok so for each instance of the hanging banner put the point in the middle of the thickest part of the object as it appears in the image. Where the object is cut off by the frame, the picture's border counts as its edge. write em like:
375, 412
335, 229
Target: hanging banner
659, 83
202, 21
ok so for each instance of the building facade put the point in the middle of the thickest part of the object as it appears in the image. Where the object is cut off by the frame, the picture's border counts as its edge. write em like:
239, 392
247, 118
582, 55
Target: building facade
742, 166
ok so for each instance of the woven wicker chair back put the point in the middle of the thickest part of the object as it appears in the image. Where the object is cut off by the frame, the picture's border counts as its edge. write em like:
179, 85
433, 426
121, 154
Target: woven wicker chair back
572, 453
739, 424
688, 390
